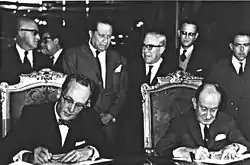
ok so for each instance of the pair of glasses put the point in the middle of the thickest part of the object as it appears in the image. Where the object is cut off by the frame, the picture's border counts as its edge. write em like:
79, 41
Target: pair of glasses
45, 39
35, 32
69, 101
190, 34
151, 46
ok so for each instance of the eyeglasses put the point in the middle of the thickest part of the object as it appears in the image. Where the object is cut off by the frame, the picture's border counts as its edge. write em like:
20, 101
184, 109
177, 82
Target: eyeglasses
190, 34
45, 39
69, 101
35, 32
150, 46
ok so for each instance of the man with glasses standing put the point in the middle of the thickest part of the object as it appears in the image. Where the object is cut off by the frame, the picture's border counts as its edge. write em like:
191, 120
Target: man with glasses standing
51, 45
145, 69
190, 56
66, 131
107, 69
21, 58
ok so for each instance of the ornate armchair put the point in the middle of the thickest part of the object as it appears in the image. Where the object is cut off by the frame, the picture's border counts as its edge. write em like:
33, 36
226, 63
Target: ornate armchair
35, 88
169, 98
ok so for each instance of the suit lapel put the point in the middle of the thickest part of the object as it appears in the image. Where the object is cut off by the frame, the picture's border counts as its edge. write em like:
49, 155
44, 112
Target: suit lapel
195, 130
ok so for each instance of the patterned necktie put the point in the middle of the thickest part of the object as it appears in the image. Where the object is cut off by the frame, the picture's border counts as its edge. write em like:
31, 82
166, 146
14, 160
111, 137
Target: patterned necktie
26, 63
183, 56
206, 136
241, 68
148, 77
98, 65
64, 122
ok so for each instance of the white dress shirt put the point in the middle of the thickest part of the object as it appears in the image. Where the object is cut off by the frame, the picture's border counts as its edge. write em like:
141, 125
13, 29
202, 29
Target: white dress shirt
154, 69
236, 64
202, 126
56, 55
63, 128
183, 64
102, 59
21, 54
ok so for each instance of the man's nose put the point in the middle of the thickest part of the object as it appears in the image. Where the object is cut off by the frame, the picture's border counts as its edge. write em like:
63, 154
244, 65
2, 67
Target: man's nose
72, 108
242, 48
208, 115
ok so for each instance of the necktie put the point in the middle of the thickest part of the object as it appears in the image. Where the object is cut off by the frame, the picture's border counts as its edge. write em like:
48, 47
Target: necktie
241, 68
26, 63
52, 59
98, 65
206, 136
183, 56
149, 74
64, 122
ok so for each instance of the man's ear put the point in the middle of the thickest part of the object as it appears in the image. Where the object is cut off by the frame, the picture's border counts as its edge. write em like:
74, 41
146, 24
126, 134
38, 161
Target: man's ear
194, 103
90, 34
178, 33
162, 49
196, 36
231, 46
56, 41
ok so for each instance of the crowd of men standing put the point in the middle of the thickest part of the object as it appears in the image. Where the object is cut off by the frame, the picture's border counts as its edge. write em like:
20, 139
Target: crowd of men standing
117, 96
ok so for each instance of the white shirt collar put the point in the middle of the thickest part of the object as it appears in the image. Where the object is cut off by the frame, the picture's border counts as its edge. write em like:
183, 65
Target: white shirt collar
236, 64
158, 63
202, 126
56, 55
154, 69
189, 50
21, 54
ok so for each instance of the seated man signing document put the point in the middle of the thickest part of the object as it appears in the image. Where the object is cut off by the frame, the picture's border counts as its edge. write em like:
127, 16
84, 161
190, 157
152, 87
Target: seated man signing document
204, 131
66, 131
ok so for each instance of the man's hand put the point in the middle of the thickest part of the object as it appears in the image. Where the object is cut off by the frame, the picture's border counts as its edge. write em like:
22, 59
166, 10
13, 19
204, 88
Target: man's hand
77, 155
106, 118
201, 153
41, 155
230, 151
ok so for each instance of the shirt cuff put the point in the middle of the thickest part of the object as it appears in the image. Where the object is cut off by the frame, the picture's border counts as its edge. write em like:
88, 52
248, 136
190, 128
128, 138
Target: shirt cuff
19, 155
95, 153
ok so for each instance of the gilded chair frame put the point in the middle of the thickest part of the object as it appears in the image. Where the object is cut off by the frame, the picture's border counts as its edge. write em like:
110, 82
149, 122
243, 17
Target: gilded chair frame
176, 79
44, 78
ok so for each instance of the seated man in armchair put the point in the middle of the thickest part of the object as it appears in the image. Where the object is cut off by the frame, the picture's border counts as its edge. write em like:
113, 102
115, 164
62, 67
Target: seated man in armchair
203, 129
65, 131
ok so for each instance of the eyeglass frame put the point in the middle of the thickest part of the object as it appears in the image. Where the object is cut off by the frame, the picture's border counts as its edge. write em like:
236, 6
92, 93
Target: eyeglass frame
68, 100
45, 39
103, 36
35, 32
151, 46
190, 34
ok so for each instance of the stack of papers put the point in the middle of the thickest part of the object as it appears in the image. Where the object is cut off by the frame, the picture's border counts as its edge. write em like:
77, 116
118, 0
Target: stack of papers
215, 161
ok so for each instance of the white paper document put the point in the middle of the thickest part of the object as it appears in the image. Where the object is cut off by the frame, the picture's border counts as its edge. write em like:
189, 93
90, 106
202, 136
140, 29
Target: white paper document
215, 161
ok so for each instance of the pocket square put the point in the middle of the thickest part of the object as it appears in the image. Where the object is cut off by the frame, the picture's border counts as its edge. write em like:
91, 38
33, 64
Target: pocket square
118, 69
79, 143
220, 137
198, 70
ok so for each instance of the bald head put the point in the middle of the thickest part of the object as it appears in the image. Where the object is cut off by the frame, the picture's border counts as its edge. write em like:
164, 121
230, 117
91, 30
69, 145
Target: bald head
206, 103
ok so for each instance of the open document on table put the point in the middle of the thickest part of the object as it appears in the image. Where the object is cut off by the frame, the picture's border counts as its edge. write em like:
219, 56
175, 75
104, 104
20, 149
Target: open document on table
214, 160
88, 162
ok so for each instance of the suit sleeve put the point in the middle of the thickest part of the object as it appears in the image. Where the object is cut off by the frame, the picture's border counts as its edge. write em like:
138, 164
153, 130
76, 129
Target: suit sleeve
170, 140
69, 62
118, 103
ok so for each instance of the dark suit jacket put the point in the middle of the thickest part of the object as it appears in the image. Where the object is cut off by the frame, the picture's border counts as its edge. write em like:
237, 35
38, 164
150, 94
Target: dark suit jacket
12, 67
184, 131
201, 58
58, 66
112, 98
38, 127
236, 89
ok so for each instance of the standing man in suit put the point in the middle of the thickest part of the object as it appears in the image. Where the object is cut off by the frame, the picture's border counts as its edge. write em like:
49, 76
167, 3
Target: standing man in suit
106, 68
51, 46
21, 58
146, 69
68, 127
190, 57
203, 129
233, 75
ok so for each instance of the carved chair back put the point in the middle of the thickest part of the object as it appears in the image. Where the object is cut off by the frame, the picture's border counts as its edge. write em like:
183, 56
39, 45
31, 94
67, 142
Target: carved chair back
172, 96
34, 88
